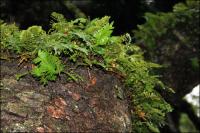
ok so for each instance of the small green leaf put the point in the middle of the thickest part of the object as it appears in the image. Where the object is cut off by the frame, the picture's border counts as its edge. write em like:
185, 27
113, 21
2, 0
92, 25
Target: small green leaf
48, 66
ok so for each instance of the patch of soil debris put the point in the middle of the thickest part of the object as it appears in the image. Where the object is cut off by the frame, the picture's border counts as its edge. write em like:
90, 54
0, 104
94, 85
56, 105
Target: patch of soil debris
95, 104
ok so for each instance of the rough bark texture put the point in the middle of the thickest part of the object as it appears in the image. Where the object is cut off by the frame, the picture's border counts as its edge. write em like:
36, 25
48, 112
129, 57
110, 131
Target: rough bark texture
62, 106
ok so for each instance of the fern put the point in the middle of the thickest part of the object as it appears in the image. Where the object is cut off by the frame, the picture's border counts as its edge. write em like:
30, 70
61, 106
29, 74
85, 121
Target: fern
48, 66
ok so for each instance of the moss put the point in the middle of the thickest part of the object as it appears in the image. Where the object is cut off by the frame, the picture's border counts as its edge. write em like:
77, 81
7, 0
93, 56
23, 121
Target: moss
90, 43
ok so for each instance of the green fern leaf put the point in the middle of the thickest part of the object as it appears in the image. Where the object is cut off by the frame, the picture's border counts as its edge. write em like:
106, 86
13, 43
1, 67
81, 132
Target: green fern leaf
48, 66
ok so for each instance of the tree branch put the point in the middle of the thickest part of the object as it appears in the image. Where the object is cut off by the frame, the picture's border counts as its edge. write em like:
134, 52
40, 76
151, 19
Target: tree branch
188, 109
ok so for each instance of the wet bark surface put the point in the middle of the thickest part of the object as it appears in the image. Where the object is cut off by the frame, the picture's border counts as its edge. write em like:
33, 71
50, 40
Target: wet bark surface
94, 104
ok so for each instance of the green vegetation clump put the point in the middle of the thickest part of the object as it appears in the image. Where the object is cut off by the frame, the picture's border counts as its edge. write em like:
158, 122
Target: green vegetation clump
177, 29
91, 43
48, 66
172, 39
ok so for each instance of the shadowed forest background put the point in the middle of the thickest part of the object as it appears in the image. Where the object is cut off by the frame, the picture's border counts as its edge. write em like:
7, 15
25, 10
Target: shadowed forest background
126, 14
176, 49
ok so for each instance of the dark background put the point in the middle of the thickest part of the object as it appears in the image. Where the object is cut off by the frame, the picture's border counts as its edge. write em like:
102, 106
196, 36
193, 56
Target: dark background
125, 13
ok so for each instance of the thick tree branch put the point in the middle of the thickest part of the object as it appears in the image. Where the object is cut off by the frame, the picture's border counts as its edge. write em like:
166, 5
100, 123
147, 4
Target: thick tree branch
187, 108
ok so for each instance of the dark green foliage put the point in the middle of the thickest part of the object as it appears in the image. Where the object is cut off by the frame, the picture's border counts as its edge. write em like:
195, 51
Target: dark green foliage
9, 36
91, 43
172, 39
183, 18
32, 39
157, 25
